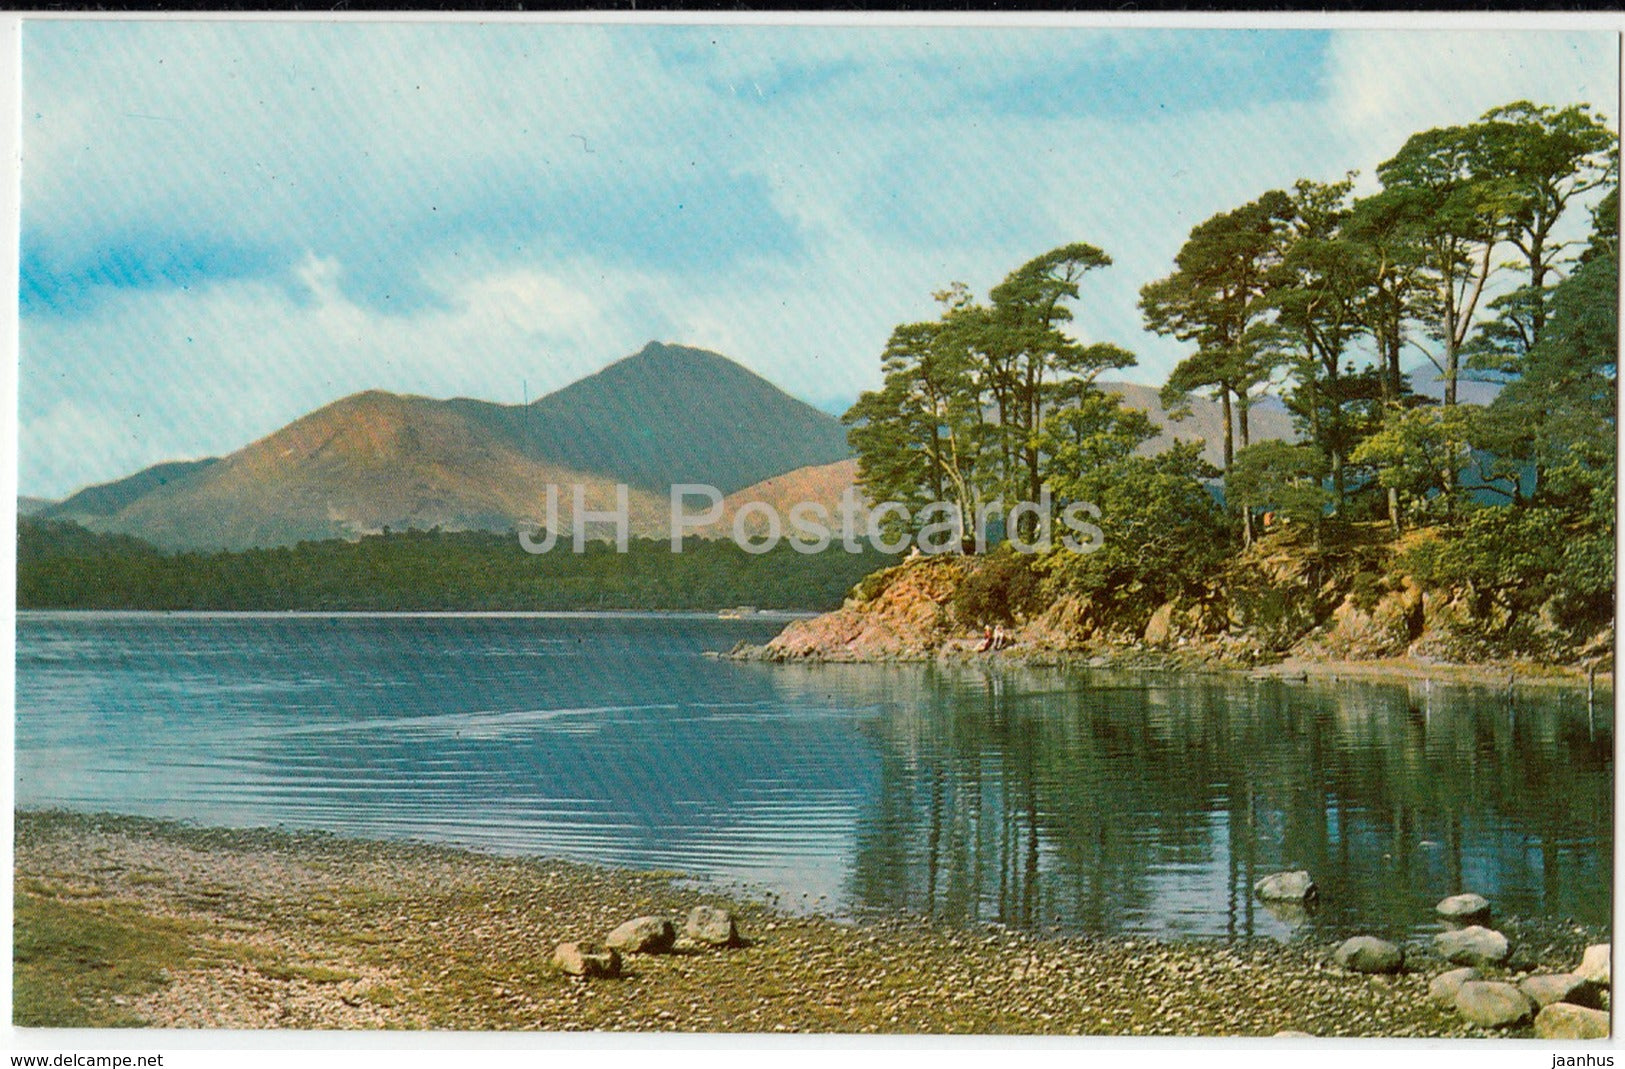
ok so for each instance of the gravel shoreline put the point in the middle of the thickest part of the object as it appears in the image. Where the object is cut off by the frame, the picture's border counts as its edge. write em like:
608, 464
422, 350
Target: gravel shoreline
134, 922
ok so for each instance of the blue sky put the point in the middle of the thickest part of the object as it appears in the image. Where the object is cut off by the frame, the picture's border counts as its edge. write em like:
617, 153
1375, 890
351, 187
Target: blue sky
226, 225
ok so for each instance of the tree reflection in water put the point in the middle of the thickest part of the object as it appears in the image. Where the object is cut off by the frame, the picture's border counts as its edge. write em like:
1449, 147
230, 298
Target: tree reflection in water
1122, 803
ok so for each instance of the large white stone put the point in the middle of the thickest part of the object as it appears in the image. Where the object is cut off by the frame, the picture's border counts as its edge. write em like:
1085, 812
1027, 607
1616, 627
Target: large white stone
1560, 987
1368, 954
1489, 1004
1595, 966
1447, 985
1286, 886
1464, 909
1474, 945
1562, 1020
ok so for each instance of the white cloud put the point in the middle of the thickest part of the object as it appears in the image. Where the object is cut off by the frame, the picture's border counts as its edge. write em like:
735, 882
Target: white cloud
532, 182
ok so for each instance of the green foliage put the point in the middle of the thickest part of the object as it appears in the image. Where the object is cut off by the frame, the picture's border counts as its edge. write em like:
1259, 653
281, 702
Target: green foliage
1218, 297
963, 411
1002, 588
1094, 433
1422, 452
1164, 532
1519, 559
64, 566
1282, 477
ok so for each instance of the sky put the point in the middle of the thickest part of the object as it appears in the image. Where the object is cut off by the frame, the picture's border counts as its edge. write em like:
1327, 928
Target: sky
226, 225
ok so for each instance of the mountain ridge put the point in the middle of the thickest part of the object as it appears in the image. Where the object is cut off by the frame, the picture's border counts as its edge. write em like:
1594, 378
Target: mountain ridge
376, 459
666, 414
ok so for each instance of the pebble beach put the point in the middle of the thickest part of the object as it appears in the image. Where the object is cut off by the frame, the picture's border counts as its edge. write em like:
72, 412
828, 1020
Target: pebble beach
123, 921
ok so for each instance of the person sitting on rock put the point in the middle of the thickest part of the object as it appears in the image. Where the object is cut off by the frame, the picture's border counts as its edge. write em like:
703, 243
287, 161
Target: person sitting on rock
999, 638
987, 640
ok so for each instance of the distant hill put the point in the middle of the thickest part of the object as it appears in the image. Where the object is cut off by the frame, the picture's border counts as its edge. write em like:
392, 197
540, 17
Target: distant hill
1267, 419
670, 414
106, 499
821, 484
1425, 380
28, 506
379, 460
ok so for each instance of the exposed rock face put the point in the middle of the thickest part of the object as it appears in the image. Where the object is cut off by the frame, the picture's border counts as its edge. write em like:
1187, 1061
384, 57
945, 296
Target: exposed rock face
1596, 965
1368, 954
1361, 630
1490, 1004
1159, 629
587, 960
711, 926
906, 616
1447, 985
1561, 987
1562, 1020
1464, 909
643, 935
1281, 597
1474, 945
1286, 887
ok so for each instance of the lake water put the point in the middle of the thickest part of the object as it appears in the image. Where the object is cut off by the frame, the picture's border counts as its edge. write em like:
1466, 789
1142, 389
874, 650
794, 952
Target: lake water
1097, 802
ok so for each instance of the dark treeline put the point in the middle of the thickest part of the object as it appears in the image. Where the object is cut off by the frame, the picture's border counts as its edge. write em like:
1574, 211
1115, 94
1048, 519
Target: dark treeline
1472, 255
63, 566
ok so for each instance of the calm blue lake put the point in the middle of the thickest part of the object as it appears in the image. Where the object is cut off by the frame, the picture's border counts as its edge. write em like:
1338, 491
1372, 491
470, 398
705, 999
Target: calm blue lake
1085, 801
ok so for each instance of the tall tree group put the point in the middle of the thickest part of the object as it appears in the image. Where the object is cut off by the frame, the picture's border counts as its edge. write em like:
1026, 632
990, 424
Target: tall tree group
1470, 256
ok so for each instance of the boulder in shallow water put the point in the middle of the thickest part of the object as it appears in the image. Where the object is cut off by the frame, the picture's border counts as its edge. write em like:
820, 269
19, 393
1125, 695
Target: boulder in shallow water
1447, 985
1286, 887
1563, 1020
1464, 909
587, 959
1490, 1004
711, 926
1292, 914
1474, 945
1368, 954
1561, 987
643, 935
1595, 966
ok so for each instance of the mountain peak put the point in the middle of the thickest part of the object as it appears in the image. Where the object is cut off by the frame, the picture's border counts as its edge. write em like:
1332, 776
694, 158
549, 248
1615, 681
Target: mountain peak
666, 414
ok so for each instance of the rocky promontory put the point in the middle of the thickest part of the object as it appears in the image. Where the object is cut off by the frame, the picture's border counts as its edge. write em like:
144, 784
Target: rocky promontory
1282, 601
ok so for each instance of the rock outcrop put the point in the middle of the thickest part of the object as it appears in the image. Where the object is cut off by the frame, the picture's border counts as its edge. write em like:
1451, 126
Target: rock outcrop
1282, 598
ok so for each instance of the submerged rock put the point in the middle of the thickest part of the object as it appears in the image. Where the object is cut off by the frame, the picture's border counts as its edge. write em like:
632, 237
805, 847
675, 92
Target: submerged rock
1472, 946
1368, 954
1490, 1004
1595, 966
1286, 887
1464, 909
712, 927
1447, 985
1290, 913
587, 959
643, 935
1561, 987
1562, 1020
